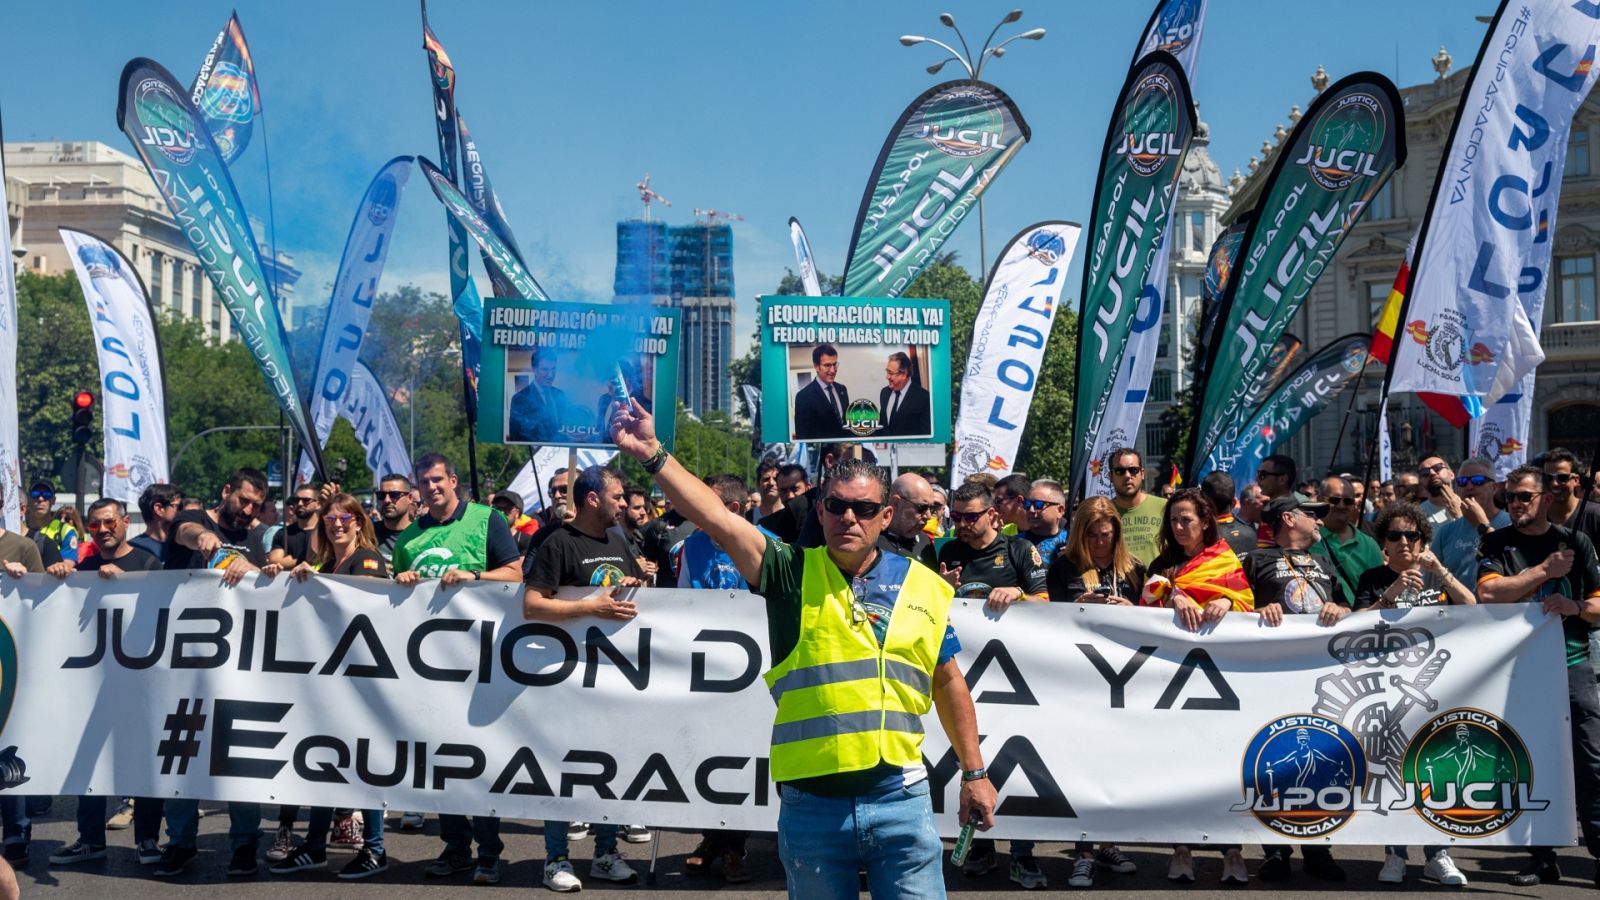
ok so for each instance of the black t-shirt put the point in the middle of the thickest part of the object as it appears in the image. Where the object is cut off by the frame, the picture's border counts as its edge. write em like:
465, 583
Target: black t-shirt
1292, 579
569, 558
918, 547
233, 542
135, 560
362, 562
386, 539
1508, 551
659, 538
797, 523
1006, 562
1066, 582
1374, 581
49, 548
293, 540
1587, 520
1241, 537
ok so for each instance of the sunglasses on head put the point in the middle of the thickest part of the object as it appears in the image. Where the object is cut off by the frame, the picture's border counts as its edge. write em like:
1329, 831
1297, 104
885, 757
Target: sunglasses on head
1410, 537
1038, 505
392, 495
1127, 470
1522, 496
964, 517
864, 509
1474, 480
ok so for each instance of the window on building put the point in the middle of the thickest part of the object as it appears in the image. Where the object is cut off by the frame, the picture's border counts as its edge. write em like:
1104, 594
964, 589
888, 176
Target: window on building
1155, 441
1577, 164
1377, 296
1197, 231
1575, 426
1161, 386
157, 279
1164, 346
1382, 202
1575, 287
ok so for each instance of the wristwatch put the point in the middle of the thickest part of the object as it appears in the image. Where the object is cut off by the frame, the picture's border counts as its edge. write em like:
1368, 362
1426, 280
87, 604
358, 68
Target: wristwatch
978, 774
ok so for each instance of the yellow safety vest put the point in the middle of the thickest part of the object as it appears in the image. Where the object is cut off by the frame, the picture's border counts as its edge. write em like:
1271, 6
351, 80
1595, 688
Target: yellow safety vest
845, 703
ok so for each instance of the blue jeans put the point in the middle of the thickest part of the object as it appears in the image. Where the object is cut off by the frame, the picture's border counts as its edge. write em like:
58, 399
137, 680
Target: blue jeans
18, 828
183, 823
458, 834
824, 841
320, 819
92, 820
555, 839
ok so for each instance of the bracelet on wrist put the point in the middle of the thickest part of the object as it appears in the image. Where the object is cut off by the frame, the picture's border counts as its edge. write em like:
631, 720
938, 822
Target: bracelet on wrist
977, 774
653, 463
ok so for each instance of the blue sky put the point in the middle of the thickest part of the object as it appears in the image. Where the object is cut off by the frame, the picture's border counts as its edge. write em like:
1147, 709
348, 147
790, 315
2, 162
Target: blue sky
765, 109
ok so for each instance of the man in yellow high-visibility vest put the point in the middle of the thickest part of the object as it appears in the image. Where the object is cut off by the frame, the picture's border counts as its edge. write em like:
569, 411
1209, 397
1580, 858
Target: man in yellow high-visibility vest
863, 649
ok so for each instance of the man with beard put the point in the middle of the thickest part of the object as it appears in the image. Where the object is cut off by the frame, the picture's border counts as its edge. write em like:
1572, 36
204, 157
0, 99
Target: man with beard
767, 488
395, 504
1437, 478
216, 538
1456, 542
1568, 504
1140, 512
292, 544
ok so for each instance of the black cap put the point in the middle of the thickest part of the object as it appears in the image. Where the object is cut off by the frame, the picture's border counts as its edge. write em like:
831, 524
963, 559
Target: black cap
42, 485
1277, 506
512, 497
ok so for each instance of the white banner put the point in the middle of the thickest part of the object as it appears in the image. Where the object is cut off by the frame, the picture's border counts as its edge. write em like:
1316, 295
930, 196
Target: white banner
133, 406
350, 308
1396, 727
1501, 433
1008, 341
1385, 457
1487, 235
10, 440
532, 481
803, 257
366, 407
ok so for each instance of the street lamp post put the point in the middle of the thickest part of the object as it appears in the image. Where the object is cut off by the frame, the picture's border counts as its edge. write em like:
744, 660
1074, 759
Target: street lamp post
974, 69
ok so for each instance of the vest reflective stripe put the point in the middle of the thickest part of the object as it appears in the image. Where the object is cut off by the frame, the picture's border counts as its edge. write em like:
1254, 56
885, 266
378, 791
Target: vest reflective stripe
845, 702
844, 723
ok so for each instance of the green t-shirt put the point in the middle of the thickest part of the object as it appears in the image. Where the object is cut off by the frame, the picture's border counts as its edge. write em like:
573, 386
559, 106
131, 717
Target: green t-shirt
1141, 528
1351, 559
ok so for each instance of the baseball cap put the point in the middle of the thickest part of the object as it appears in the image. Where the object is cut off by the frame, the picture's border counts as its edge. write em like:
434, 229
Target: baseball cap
1277, 506
512, 497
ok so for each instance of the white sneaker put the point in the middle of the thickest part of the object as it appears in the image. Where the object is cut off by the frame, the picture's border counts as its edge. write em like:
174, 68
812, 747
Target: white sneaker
559, 877
611, 867
577, 831
1394, 869
1443, 870
636, 834
411, 821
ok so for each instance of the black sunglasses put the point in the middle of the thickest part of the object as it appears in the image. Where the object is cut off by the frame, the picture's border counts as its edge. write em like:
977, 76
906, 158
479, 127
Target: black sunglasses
1522, 496
1560, 477
1127, 470
391, 495
1341, 501
1474, 480
864, 509
1411, 537
926, 509
960, 517
1266, 473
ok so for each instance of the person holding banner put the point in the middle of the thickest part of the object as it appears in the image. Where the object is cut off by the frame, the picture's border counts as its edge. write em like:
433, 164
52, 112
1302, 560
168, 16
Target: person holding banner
848, 760
1196, 573
1094, 566
1535, 561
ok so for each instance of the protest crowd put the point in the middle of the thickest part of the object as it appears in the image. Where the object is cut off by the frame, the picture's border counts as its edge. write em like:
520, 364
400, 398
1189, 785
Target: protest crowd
1448, 533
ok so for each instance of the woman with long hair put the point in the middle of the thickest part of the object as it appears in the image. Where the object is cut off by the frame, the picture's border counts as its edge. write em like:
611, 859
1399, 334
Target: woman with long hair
1200, 577
344, 543
1095, 566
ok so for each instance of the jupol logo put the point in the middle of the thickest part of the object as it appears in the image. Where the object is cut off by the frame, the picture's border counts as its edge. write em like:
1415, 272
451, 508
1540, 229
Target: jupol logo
1046, 247
1150, 124
1344, 141
1300, 775
168, 127
1175, 29
861, 417
100, 262
227, 94
1355, 356
964, 123
1469, 774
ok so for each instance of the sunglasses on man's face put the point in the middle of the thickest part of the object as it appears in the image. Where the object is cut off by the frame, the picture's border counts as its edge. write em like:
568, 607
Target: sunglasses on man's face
42, 495
1127, 470
1560, 477
386, 496
1410, 537
1473, 480
1342, 501
95, 526
1434, 469
967, 518
1038, 505
1522, 496
864, 509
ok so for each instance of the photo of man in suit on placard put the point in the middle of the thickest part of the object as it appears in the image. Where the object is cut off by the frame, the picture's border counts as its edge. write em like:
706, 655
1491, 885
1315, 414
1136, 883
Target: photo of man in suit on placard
819, 407
537, 411
905, 409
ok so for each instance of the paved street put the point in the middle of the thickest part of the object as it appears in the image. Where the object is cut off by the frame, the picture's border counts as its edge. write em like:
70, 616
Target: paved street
120, 876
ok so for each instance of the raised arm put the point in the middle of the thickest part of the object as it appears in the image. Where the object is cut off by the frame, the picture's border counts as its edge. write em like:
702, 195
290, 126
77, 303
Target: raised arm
634, 432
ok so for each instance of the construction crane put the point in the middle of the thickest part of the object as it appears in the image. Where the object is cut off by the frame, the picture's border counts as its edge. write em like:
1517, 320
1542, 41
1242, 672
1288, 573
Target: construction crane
712, 215
646, 195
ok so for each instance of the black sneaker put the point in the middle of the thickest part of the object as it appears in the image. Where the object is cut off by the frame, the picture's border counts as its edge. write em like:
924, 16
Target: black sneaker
299, 859
242, 864
173, 861
1536, 872
364, 865
449, 863
1325, 868
981, 859
16, 853
1274, 868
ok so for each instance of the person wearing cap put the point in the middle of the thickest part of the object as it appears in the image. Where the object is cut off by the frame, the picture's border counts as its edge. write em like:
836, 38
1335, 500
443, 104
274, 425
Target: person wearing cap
523, 526
1287, 579
42, 520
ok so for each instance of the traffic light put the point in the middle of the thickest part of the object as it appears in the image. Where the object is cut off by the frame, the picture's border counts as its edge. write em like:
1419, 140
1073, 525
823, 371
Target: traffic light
82, 417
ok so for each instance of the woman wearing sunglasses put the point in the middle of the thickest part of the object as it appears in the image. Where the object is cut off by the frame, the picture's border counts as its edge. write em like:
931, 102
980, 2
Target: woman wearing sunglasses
342, 544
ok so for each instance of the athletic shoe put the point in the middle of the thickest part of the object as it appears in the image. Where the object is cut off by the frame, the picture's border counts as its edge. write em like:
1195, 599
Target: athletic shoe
577, 831
487, 871
76, 852
1325, 868
149, 852
636, 834
282, 844
1180, 869
1082, 873
122, 818
559, 877
1274, 868
1393, 871
411, 821
733, 868
1537, 872
173, 861
1443, 870
1234, 873
242, 864
300, 859
980, 860
700, 857
1025, 871
16, 853
1113, 859
611, 867
346, 834
364, 865
448, 864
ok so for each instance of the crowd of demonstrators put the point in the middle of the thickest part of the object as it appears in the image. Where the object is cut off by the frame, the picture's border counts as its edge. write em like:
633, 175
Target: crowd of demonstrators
523, 526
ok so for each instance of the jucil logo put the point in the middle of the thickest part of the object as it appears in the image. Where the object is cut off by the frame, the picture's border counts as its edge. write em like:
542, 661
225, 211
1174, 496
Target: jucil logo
1469, 774
168, 126
1345, 140
1151, 123
964, 123
861, 418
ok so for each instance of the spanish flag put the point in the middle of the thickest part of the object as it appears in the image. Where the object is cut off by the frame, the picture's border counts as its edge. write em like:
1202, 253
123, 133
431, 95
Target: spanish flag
1216, 572
1382, 350
1176, 477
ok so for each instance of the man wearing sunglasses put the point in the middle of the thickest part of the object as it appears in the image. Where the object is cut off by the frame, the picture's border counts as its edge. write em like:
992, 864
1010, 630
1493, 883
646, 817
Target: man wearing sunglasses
1045, 507
1568, 504
1009, 494
1535, 561
878, 655
1141, 513
291, 546
43, 521
1350, 551
1438, 481
395, 504
912, 498
1276, 477
1455, 542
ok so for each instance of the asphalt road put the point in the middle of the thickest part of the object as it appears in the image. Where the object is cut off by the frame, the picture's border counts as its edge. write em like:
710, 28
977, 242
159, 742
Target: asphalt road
120, 876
